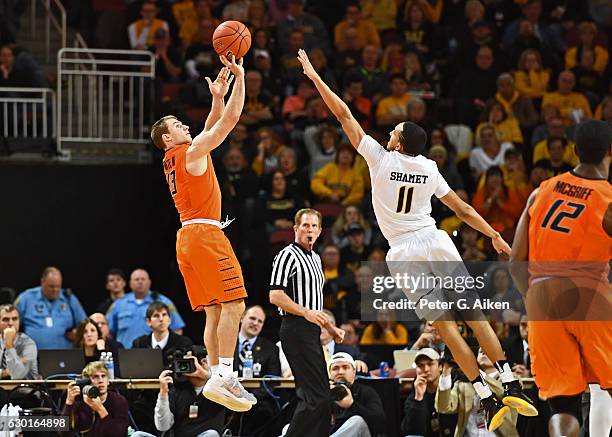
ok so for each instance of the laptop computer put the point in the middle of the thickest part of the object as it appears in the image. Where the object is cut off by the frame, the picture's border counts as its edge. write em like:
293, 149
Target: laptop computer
404, 359
140, 363
60, 361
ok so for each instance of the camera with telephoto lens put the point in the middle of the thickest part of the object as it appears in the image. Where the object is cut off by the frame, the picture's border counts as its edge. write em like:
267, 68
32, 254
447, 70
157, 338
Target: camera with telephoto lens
180, 362
340, 390
87, 388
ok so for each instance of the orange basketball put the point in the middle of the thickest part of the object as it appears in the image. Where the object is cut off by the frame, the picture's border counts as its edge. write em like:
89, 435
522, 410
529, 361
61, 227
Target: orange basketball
232, 37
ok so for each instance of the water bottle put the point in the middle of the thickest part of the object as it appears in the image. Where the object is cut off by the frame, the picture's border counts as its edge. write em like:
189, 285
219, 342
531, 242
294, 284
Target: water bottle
103, 358
247, 365
384, 369
110, 365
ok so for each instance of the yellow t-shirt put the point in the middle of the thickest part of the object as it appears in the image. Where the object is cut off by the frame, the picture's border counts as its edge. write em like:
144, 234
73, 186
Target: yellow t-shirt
382, 13
532, 83
391, 105
540, 151
568, 103
366, 33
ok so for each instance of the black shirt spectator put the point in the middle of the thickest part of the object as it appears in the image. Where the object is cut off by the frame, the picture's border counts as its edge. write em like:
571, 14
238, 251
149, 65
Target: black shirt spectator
276, 208
168, 58
356, 251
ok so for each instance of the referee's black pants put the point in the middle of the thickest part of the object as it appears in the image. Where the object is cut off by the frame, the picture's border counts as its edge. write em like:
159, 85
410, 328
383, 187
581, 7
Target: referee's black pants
302, 347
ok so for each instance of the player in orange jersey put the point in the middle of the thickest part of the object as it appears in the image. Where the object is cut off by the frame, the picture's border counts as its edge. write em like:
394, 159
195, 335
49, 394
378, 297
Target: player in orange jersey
566, 235
212, 274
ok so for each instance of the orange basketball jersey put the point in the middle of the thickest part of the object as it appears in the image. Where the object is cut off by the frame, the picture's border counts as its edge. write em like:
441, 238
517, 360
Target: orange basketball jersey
195, 197
566, 223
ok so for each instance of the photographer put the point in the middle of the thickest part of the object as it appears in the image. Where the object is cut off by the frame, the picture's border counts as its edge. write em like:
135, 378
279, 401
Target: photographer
183, 408
96, 411
357, 410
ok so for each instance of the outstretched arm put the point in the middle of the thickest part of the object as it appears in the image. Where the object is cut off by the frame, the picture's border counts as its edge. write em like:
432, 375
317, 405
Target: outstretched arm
341, 111
209, 140
218, 89
468, 214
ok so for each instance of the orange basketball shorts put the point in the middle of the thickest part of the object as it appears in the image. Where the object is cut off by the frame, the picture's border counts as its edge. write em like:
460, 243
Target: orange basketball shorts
209, 266
566, 355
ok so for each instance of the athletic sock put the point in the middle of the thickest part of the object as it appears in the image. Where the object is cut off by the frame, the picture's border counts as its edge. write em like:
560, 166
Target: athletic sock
226, 366
505, 372
481, 387
214, 370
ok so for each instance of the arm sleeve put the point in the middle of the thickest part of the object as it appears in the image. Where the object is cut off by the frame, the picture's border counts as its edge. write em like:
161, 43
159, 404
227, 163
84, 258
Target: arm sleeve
17, 368
415, 416
446, 396
117, 421
79, 312
370, 408
282, 269
164, 419
442, 188
371, 151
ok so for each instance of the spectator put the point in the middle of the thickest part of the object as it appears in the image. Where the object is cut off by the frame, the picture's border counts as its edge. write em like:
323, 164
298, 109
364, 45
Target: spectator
104, 415
531, 77
100, 320
351, 337
19, 352
257, 18
321, 143
268, 147
604, 110
360, 411
573, 106
516, 348
319, 62
385, 331
375, 80
339, 182
587, 31
258, 105
89, 338
13, 75
393, 109
556, 129
490, 152
419, 34
350, 215
542, 131
515, 105
472, 245
298, 183
159, 320
236, 10
460, 398
276, 208
366, 30
339, 281
190, 27
416, 112
238, 139
429, 338
49, 313
356, 251
382, 13
420, 416
199, 56
294, 107
414, 72
313, 30
142, 31
498, 204
168, 58
330, 347
555, 164
115, 285
513, 169
272, 82
588, 81
446, 167
127, 316
507, 129
431, 8
183, 11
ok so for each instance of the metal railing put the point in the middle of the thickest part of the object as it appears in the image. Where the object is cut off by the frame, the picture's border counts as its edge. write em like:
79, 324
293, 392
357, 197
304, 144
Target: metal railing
105, 95
27, 113
55, 18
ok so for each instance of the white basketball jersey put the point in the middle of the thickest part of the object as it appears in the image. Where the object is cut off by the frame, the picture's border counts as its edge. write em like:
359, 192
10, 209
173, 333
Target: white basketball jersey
402, 187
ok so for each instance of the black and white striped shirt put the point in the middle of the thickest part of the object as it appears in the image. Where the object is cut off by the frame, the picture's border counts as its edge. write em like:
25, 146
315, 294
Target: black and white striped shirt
299, 273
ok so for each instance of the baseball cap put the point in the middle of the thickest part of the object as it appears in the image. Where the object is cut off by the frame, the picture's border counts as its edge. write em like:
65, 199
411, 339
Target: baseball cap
341, 357
354, 228
427, 352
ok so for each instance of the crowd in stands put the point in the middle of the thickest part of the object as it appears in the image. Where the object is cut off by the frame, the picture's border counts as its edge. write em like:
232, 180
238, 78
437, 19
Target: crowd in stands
499, 87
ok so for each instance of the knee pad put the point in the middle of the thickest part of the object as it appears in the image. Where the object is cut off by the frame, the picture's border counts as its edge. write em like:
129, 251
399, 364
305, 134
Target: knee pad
571, 405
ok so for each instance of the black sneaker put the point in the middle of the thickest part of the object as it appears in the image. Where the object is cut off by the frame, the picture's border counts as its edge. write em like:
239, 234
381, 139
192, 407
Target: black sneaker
494, 412
515, 398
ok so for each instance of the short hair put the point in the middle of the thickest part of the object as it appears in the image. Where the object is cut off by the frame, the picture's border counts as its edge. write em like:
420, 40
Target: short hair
156, 307
398, 76
593, 139
504, 76
93, 367
330, 315
47, 271
413, 138
8, 308
116, 272
302, 212
159, 128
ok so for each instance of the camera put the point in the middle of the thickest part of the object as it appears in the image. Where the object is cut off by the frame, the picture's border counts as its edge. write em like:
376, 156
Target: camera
179, 361
183, 365
87, 388
339, 391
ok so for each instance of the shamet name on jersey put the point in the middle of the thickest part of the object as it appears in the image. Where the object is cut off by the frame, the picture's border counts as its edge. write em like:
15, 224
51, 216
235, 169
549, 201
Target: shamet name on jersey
410, 178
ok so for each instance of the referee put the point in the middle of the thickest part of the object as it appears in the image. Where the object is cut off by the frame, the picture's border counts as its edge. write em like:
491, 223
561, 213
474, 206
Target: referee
296, 287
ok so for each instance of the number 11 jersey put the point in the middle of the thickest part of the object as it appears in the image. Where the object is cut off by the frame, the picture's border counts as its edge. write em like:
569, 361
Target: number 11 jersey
402, 187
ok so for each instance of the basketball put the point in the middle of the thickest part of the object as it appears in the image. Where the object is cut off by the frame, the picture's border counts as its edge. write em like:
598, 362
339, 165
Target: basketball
232, 37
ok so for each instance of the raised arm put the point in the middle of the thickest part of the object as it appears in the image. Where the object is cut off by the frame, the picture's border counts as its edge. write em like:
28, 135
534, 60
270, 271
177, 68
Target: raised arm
218, 89
341, 111
208, 140
468, 214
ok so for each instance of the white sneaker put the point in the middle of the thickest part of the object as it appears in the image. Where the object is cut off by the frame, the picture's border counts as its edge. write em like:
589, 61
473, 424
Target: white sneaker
228, 392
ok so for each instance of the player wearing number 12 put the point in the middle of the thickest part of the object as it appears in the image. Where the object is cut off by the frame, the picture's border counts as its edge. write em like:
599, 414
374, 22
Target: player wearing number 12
212, 275
403, 182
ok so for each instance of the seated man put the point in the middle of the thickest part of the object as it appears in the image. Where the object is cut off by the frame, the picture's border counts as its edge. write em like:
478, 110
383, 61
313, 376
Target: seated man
359, 412
19, 351
141, 31
159, 320
182, 407
332, 348
102, 415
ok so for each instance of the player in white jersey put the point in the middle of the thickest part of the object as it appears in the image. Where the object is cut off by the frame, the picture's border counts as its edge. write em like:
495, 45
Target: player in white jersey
403, 182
